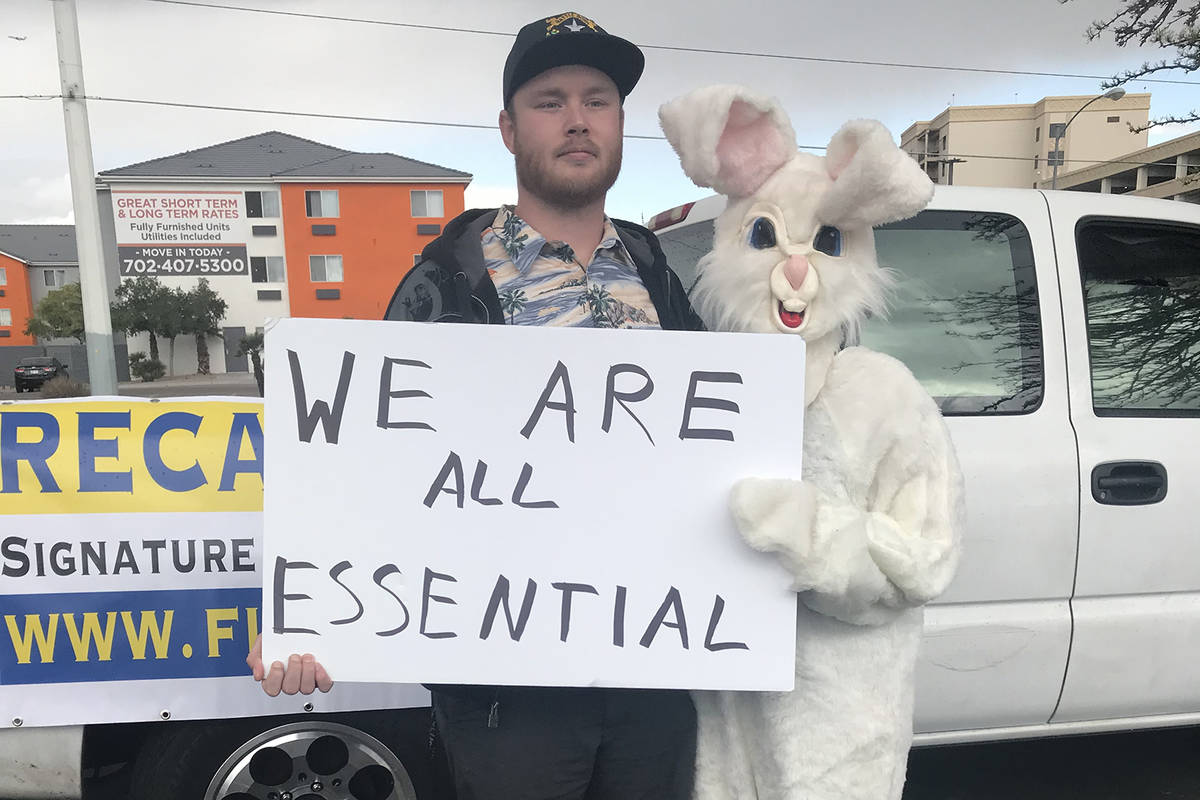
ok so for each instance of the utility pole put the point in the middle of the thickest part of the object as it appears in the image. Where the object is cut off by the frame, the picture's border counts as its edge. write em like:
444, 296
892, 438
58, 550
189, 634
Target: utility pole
97, 322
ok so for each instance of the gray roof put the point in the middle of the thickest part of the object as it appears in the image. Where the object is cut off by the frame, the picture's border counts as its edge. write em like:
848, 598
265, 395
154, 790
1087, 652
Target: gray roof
39, 244
373, 165
274, 154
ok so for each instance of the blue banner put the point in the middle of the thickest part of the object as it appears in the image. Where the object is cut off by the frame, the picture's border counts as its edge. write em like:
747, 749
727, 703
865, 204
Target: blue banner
118, 636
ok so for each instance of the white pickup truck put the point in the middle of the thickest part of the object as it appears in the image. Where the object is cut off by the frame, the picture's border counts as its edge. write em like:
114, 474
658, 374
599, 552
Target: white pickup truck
1060, 333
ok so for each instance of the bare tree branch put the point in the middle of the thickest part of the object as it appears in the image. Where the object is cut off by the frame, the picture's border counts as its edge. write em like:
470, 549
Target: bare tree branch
1171, 25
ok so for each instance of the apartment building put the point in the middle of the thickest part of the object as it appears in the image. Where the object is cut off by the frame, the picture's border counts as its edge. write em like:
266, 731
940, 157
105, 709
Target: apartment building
34, 260
279, 225
1014, 145
1169, 170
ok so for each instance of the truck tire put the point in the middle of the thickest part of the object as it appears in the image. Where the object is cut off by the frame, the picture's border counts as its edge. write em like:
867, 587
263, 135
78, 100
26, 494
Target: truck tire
378, 755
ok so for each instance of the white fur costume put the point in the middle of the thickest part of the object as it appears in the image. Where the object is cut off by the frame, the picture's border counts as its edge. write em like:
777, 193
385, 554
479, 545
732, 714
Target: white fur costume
871, 532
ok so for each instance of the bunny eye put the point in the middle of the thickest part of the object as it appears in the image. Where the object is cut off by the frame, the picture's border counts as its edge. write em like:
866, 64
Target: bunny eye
762, 234
828, 241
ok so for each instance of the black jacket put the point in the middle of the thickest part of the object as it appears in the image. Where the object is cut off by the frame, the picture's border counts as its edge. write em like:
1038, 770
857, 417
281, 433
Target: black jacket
450, 284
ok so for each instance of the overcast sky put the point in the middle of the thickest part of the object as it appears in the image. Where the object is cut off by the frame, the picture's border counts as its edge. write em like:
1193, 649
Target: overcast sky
149, 50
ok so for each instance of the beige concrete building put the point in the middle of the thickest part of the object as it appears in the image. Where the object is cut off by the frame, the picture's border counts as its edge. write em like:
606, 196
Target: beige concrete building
1013, 145
1168, 170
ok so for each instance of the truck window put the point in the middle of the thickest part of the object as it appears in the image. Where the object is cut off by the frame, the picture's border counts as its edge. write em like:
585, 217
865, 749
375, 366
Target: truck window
1141, 286
964, 313
684, 246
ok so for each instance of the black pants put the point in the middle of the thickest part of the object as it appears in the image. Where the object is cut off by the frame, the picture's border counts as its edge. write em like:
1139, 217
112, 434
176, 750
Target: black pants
569, 744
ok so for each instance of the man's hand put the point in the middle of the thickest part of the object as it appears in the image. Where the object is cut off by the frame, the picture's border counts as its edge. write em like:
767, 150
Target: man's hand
302, 674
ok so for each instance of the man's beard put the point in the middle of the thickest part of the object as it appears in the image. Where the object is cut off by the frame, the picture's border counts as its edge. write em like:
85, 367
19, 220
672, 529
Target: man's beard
567, 194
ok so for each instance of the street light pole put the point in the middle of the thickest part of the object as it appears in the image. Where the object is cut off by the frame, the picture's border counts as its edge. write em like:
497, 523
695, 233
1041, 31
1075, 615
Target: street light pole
93, 282
1115, 93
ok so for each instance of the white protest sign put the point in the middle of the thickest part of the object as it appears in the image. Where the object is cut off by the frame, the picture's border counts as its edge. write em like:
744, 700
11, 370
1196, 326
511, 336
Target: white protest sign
526, 506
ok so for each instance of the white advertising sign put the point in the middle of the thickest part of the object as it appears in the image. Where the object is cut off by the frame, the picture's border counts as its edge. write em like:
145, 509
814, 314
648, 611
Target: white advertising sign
181, 232
130, 565
526, 506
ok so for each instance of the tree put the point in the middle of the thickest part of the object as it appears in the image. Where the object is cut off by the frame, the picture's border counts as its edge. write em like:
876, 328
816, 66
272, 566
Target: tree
1169, 24
172, 321
58, 315
204, 311
252, 345
140, 306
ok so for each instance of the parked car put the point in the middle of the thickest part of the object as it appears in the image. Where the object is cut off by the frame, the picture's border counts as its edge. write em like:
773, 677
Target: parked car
1058, 333
31, 373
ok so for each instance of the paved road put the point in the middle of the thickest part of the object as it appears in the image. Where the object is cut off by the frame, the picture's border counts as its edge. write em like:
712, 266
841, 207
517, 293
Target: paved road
236, 384
1151, 765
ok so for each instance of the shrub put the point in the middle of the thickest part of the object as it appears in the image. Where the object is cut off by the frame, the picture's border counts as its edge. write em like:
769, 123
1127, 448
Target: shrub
146, 370
136, 357
64, 386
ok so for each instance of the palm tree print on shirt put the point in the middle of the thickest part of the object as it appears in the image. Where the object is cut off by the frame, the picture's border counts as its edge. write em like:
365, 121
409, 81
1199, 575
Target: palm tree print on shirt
563, 252
513, 302
513, 244
597, 299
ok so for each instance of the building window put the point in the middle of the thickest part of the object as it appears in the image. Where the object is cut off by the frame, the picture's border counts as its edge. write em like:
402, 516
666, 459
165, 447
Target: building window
325, 269
54, 278
1037, 134
1057, 129
261, 205
1114, 119
943, 144
1036, 161
267, 269
5, 318
427, 203
3, 276
1054, 158
321, 203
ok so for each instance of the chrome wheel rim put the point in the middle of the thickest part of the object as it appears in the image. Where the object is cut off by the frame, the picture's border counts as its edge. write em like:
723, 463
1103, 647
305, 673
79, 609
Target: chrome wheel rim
312, 761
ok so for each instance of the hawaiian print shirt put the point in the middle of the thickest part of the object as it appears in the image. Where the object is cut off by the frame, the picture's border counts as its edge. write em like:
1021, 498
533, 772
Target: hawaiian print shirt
542, 283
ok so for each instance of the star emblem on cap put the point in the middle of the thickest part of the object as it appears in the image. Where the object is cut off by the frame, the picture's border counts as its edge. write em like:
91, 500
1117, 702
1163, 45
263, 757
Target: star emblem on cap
574, 27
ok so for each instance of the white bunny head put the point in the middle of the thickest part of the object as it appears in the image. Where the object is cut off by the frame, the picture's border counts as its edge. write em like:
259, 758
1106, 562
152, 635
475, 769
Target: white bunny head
793, 252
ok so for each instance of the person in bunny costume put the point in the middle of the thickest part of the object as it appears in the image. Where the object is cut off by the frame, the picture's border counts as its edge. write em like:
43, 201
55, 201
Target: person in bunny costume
872, 530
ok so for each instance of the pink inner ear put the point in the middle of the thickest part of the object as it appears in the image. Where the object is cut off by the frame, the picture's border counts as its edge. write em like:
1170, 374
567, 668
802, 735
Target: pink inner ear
750, 149
840, 154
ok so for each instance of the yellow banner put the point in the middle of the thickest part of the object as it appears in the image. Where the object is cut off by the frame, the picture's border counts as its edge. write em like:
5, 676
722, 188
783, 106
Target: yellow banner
96, 457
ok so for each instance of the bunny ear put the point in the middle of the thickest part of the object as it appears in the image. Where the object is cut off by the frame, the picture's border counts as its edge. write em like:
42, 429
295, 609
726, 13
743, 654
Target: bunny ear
874, 181
728, 137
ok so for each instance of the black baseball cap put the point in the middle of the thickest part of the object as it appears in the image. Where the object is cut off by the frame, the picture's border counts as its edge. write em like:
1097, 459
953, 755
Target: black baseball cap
570, 38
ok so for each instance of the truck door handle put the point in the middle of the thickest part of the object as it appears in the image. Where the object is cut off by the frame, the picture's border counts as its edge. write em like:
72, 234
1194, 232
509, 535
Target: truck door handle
1129, 483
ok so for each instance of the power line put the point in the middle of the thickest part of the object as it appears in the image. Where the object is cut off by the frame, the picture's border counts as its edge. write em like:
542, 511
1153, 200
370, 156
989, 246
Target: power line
472, 126
705, 50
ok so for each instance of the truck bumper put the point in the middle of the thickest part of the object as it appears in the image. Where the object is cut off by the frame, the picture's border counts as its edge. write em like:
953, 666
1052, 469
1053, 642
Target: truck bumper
41, 763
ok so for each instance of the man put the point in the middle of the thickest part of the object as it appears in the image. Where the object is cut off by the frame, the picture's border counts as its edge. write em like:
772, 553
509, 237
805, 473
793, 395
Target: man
553, 259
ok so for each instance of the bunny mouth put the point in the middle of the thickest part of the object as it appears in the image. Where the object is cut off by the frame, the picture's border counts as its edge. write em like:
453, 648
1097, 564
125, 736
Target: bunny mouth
791, 319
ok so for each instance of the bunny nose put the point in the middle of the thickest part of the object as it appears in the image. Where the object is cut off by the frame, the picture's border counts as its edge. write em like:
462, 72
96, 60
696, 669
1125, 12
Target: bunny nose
796, 270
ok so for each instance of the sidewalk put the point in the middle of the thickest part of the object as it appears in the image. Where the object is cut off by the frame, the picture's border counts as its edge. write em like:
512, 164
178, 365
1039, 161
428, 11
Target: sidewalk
230, 384
236, 384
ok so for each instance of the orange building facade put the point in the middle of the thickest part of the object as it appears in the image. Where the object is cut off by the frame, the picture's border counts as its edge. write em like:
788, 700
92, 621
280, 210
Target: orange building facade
16, 301
346, 265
